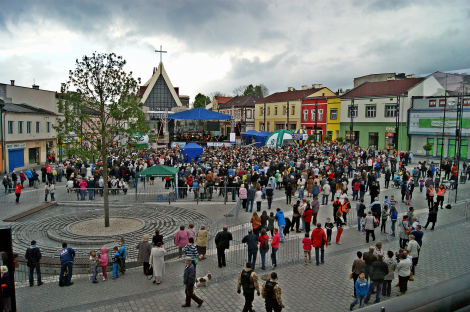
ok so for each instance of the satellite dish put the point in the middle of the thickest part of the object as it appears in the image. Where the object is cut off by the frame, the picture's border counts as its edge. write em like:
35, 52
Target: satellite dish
451, 101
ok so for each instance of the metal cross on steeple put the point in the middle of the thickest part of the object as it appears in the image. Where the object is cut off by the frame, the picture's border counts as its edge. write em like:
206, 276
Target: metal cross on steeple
160, 51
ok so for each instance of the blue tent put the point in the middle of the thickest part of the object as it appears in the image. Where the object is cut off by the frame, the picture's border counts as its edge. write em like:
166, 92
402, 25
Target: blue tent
191, 150
199, 114
261, 137
248, 135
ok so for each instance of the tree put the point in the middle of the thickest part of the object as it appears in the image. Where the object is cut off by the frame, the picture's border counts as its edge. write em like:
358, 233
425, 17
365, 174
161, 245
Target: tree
217, 93
200, 100
260, 91
239, 91
104, 103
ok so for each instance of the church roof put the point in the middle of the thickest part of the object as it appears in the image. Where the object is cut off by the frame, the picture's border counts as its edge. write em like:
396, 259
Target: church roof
151, 83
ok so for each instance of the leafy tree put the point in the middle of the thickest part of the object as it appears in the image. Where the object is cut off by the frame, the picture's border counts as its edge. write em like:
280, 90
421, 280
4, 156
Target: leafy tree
200, 100
100, 101
260, 90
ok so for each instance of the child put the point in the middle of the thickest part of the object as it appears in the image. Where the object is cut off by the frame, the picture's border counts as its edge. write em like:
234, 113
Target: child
362, 287
329, 229
94, 266
393, 202
421, 184
104, 262
386, 202
123, 254
415, 223
116, 262
407, 198
263, 190
307, 248
363, 223
301, 193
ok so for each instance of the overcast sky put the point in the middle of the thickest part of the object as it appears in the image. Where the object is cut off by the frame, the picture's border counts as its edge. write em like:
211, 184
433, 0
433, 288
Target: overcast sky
220, 45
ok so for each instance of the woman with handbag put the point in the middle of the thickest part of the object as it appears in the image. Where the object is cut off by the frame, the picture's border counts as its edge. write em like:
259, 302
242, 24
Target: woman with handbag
370, 224
404, 231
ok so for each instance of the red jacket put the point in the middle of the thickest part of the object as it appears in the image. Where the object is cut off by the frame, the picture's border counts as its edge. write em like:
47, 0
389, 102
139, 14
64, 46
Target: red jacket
308, 214
18, 189
318, 237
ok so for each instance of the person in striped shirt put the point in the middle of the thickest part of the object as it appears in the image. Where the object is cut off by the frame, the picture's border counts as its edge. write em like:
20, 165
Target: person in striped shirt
190, 250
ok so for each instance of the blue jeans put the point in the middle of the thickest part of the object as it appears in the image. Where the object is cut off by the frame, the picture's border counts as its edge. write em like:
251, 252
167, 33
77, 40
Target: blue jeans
263, 258
281, 231
355, 194
359, 223
324, 199
90, 194
320, 250
252, 257
258, 206
303, 224
82, 194
115, 270
372, 286
359, 299
250, 203
273, 255
69, 266
31, 273
270, 201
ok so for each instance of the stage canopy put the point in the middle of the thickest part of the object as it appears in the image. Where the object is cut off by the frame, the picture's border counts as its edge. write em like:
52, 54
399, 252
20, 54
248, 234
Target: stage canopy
261, 137
158, 171
191, 150
200, 114
248, 135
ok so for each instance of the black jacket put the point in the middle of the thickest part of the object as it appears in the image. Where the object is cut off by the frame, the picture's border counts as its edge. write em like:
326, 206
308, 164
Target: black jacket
378, 270
189, 277
252, 241
222, 239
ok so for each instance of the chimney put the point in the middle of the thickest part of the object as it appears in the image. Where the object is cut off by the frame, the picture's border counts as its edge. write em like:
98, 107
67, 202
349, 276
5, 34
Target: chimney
12, 82
304, 88
35, 87
407, 76
290, 89
317, 86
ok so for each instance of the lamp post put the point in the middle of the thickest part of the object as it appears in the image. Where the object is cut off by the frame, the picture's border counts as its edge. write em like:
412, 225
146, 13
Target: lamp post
287, 124
316, 114
351, 127
397, 122
2, 124
264, 122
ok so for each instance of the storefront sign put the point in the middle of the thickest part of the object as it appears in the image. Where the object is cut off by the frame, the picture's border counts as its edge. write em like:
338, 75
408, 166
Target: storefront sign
439, 123
466, 102
15, 145
442, 102
432, 103
390, 129
389, 134
218, 144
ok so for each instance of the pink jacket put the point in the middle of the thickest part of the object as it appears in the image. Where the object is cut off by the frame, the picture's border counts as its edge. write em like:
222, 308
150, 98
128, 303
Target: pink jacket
103, 257
181, 238
243, 193
82, 185
276, 240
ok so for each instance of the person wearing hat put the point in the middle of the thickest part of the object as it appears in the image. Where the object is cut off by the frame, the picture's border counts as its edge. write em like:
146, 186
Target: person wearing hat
271, 293
189, 279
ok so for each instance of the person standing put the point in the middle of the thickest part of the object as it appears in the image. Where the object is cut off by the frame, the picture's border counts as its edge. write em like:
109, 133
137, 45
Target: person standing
32, 256
404, 272
67, 255
360, 208
308, 214
202, 241
361, 288
281, 222
432, 216
358, 268
325, 193
252, 242
339, 226
430, 196
263, 247
145, 248
369, 258
249, 281
251, 198
370, 227
377, 272
157, 261
413, 250
271, 293
318, 242
181, 239
392, 265
441, 192
275, 247
190, 250
189, 279
18, 189
315, 208
222, 242
404, 230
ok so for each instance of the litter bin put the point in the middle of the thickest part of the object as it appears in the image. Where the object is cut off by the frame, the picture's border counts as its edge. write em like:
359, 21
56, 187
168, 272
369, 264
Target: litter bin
463, 178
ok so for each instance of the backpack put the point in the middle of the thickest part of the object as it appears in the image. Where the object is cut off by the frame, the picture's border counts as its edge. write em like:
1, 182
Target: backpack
265, 245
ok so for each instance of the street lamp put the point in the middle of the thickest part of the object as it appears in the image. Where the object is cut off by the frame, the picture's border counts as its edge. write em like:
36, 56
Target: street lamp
2, 124
351, 127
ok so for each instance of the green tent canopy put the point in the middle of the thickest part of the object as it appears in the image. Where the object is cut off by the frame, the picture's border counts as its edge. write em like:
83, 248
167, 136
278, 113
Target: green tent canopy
158, 171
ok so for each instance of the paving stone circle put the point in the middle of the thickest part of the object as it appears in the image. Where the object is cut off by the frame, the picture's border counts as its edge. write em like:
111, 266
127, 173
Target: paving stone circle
51, 232
95, 227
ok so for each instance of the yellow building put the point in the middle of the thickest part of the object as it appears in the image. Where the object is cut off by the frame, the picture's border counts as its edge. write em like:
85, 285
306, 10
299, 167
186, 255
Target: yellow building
333, 121
282, 110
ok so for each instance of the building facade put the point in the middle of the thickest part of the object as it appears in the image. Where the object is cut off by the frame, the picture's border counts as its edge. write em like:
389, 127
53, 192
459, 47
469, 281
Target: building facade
333, 117
314, 117
283, 110
374, 113
433, 120
242, 109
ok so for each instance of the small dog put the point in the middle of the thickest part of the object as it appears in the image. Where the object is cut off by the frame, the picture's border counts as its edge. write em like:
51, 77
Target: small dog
203, 281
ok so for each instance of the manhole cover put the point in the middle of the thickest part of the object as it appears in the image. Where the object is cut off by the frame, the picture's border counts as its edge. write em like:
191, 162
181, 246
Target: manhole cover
266, 277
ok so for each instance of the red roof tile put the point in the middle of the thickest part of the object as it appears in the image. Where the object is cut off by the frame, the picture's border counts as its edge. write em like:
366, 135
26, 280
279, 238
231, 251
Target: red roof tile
240, 101
380, 88
288, 96
222, 99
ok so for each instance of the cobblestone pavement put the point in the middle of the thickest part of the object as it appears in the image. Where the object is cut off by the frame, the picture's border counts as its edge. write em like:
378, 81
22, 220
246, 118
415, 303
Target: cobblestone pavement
310, 288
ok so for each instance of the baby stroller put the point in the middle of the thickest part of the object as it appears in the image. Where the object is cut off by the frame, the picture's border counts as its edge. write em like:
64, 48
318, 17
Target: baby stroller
397, 182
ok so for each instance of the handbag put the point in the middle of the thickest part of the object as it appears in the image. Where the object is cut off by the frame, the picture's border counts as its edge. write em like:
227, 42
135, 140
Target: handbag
196, 260
351, 275
149, 271
411, 279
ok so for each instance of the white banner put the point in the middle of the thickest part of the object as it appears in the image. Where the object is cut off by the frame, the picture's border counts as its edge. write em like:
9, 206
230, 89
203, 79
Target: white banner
15, 145
232, 138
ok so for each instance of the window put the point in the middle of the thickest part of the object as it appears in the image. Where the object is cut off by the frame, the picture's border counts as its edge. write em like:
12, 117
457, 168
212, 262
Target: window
268, 127
313, 114
320, 114
334, 114
370, 111
38, 126
293, 110
305, 114
11, 127
390, 111
352, 111
261, 111
48, 127
20, 127
28, 126
269, 110
275, 110
284, 110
